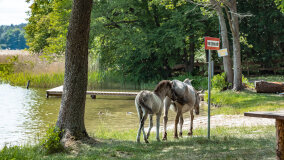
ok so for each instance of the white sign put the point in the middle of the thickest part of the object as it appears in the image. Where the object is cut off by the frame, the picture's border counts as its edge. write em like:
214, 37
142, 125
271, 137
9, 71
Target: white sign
211, 43
222, 52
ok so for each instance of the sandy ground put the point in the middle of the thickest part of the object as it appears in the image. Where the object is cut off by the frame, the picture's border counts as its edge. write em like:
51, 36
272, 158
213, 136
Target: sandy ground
224, 120
228, 121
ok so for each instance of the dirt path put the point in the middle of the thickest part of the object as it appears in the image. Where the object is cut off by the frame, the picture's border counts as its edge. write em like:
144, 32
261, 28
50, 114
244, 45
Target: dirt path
225, 120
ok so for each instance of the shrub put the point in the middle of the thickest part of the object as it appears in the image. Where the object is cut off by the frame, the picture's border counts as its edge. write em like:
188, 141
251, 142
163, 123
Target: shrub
50, 143
219, 82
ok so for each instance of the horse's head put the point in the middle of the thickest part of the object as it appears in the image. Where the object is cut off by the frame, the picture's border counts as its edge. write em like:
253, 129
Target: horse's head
197, 103
171, 92
166, 88
187, 81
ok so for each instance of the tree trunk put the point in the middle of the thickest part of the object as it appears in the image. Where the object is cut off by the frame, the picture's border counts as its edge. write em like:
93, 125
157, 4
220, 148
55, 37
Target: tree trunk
72, 110
236, 48
269, 87
227, 62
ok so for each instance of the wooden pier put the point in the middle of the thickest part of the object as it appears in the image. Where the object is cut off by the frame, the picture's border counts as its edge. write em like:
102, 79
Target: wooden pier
59, 90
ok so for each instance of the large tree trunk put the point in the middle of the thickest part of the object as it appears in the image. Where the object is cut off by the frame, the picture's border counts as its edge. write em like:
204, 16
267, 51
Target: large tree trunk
234, 26
227, 62
237, 48
72, 110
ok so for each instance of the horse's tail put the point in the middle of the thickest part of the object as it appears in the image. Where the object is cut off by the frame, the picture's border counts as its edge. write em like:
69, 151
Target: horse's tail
140, 102
139, 110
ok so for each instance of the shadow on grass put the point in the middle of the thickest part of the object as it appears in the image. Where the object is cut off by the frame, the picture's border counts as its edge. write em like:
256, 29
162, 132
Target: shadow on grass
186, 148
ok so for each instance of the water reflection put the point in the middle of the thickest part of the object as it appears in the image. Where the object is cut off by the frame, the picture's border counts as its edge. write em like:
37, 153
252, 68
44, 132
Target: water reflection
25, 113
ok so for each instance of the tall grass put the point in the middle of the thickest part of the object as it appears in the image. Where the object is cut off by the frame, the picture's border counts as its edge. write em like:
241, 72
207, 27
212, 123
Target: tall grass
44, 80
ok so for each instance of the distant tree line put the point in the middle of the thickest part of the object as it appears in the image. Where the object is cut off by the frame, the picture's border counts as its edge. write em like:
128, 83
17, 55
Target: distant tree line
12, 37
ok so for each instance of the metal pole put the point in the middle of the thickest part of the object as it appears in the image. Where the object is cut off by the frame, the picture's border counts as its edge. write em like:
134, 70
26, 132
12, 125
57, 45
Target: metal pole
209, 92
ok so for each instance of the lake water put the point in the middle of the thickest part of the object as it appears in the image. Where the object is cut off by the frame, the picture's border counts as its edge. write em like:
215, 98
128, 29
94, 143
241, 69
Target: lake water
24, 113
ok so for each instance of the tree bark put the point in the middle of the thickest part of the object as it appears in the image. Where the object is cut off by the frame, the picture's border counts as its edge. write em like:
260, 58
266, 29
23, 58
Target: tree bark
72, 110
227, 62
234, 26
237, 51
269, 87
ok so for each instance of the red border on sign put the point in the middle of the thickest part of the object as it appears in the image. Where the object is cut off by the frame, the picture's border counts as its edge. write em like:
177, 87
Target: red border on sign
213, 39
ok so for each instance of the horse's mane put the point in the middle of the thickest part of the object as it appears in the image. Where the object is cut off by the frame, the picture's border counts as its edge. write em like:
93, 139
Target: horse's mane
162, 85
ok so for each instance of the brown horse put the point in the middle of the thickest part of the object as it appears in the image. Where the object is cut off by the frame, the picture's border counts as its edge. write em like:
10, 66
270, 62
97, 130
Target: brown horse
151, 103
187, 99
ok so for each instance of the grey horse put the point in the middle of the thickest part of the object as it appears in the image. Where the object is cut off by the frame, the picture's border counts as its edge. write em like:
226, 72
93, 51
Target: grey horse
151, 103
186, 99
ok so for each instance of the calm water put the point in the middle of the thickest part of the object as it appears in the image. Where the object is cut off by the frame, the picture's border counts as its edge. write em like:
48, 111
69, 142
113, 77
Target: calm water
25, 113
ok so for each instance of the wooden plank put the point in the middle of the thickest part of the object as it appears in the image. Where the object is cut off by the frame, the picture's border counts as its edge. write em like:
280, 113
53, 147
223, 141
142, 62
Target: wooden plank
280, 139
59, 90
274, 115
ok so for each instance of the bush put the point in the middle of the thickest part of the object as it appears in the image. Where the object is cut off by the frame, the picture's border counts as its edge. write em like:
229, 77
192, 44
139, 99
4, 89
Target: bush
51, 141
246, 82
219, 82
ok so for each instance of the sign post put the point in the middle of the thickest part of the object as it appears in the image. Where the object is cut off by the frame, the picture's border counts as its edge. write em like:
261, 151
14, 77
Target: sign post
210, 44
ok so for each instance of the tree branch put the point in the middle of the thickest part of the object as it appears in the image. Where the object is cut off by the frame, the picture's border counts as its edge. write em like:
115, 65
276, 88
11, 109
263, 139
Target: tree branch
229, 20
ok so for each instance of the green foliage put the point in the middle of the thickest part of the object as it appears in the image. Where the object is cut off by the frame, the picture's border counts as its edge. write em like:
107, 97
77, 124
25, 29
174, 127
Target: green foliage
246, 82
47, 27
219, 82
12, 37
51, 141
263, 31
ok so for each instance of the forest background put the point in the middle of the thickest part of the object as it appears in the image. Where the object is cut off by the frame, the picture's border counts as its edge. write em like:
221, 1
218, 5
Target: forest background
146, 41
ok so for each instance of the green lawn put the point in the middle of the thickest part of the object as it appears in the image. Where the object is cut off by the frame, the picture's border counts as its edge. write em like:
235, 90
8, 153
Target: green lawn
226, 143
229, 102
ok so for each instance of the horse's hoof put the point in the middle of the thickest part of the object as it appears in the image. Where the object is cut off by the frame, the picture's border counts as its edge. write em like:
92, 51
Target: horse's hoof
180, 134
165, 138
189, 133
175, 137
147, 136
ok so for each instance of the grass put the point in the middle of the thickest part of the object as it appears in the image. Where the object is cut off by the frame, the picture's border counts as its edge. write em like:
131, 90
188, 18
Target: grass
230, 102
226, 143
274, 78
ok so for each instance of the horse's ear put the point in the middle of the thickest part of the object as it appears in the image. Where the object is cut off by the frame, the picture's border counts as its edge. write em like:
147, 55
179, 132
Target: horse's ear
172, 84
199, 92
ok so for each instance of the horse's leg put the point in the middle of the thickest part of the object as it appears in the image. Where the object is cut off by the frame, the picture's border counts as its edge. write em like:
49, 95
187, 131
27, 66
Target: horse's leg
191, 123
141, 127
176, 123
144, 134
151, 125
180, 124
167, 103
158, 127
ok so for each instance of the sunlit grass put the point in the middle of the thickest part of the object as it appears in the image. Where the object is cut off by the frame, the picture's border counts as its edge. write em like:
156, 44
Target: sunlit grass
226, 143
230, 102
